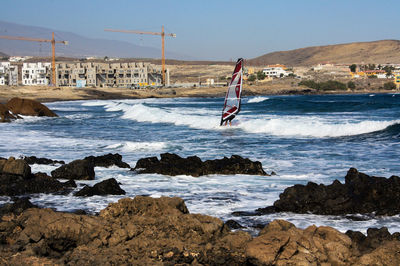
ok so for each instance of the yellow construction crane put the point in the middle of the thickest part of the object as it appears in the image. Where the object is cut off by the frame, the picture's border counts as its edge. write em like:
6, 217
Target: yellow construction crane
53, 47
162, 33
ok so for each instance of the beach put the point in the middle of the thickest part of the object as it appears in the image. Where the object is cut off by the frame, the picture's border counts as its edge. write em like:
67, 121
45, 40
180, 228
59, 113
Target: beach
51, 94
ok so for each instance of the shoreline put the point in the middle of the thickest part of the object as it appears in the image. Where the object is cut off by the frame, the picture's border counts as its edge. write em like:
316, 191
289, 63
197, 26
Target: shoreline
53, 94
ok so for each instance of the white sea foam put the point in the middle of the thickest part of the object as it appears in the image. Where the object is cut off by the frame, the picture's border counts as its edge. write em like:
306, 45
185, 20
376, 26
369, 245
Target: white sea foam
95, 103
312, 127
301, 126
257, 99
135, 146
143, 113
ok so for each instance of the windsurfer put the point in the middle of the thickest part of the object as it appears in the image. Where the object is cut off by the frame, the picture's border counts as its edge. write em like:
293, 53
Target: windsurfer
229, 120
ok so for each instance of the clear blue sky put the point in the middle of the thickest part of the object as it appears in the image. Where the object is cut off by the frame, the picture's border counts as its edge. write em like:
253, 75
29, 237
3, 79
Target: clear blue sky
216, 30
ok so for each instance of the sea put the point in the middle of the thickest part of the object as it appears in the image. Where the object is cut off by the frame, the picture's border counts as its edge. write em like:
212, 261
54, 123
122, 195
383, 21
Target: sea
301, 138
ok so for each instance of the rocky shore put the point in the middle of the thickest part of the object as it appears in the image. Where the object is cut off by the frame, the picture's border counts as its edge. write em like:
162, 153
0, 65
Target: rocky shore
149, 231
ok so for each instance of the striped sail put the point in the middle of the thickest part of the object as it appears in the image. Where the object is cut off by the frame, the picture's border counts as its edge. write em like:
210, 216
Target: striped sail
232, 98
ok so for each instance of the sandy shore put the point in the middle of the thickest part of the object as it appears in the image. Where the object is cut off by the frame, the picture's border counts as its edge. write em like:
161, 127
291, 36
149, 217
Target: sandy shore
50, 94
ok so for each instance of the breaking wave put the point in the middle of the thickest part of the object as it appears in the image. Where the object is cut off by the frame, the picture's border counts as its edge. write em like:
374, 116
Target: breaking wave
257, 99
313, 127
286, 126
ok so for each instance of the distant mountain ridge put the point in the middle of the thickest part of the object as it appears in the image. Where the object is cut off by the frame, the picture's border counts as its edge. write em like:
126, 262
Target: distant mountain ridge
377, 52
79, 46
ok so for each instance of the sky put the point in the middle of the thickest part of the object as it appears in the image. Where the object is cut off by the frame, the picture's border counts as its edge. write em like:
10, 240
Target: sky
216, 29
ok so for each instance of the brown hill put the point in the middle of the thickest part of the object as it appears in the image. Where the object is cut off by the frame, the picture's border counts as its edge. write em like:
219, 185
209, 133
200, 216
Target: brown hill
377, 52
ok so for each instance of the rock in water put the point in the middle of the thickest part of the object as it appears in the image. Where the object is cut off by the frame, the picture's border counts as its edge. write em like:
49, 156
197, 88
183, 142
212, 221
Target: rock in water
78, 169
15, 167
172, 164
106, 187
17, 207
108, 160
360, 193
16, 179
5, 115
35, 160
29, 107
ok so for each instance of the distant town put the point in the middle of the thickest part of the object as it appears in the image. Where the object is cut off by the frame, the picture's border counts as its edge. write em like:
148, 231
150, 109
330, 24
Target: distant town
112, 73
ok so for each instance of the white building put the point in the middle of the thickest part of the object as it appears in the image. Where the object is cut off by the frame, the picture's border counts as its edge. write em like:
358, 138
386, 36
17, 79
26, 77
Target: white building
36, 73
8, 74
275, 71
18, 58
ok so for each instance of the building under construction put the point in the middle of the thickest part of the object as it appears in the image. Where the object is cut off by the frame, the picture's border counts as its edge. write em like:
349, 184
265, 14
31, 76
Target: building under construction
109, 75
125, 75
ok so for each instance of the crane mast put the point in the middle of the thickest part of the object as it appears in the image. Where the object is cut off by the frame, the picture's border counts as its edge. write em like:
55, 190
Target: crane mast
162, 34
53, 49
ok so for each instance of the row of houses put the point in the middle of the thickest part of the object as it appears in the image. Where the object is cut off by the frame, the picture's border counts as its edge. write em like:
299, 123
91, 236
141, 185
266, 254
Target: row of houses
86, 74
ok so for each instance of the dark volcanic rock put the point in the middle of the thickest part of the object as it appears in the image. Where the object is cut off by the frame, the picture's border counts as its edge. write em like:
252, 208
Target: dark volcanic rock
375, 238
172, 164
5, 115
28, 107
361, 193
13, 185
16, 179
108, 160
35, 160
15, 167
232, 224
106, 187
17, 207
78, 169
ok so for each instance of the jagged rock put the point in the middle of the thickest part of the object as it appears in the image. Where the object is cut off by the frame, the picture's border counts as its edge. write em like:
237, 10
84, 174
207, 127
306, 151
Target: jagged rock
106, 187
148, 231
78, 169
16, 179
108, 160
360, 193
140, 231
375, 238
17, 207
35, 160
172, 164
232, 224
28, 107
15, 167
281, 243
5, 115
13, 185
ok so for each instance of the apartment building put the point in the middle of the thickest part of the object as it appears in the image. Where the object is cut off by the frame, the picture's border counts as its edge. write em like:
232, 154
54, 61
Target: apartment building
34, 74
8, 74
109, 74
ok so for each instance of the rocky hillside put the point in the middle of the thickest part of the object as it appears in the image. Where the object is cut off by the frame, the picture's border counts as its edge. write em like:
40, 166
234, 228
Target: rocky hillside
3, 55
377, 52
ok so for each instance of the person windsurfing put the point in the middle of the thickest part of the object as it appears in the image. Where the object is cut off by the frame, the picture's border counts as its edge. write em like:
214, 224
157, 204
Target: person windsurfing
233, 95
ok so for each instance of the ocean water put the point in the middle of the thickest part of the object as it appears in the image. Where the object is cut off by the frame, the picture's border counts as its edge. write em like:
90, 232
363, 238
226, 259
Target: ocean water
301, 138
